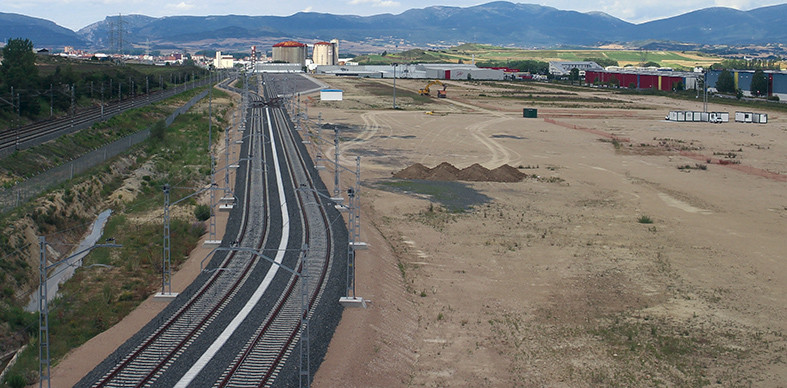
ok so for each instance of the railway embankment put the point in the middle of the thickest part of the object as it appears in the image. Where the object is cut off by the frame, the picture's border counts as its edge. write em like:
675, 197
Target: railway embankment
130, 184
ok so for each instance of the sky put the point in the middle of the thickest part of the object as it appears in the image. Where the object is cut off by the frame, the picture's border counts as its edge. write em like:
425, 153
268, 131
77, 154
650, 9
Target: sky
75, 14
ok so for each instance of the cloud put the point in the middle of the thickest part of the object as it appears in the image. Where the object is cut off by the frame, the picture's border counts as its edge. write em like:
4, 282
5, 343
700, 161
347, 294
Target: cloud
182, 6
308, 9
737, 4
376, 3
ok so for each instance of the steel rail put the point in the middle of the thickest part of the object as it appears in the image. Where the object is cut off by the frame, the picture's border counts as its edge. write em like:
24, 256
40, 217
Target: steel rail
284, 320
176, 346
13, 137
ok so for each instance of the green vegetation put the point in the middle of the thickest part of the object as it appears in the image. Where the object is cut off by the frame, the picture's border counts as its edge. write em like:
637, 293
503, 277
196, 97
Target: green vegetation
603, 62
725, 83
573, 75
409, 56
643, 219
95, 299
51, 82
18, 72
31, 161
202, 212
751, 64
536, 61
759, 84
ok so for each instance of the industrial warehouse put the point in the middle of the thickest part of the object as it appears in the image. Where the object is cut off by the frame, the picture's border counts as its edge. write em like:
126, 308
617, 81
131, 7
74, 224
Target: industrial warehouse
777, 81
647, 78
292, 56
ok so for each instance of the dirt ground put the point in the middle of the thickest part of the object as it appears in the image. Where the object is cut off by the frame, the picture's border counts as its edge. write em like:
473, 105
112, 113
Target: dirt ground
625, 258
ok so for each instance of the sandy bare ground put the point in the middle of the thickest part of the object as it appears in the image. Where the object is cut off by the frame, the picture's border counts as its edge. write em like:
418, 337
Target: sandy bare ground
558, 280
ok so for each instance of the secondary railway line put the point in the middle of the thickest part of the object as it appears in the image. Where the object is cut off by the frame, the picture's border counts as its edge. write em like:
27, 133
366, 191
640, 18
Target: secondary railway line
38, 132
240, 321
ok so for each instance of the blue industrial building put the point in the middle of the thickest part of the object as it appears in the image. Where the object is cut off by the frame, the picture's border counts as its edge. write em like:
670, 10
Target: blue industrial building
777, 81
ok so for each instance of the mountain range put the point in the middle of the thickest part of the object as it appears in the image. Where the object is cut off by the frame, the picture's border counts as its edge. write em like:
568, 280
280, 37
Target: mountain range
498, 23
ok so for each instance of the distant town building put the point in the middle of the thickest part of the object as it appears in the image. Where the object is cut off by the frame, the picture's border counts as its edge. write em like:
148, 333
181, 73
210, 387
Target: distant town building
223, 61
559, 68
290, 52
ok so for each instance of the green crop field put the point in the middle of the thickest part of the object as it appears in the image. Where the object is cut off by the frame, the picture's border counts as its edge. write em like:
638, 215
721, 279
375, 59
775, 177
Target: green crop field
500, 56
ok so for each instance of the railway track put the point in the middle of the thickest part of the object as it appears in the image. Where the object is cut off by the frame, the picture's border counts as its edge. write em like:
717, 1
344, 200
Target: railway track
226, 334
260, 360
36, 133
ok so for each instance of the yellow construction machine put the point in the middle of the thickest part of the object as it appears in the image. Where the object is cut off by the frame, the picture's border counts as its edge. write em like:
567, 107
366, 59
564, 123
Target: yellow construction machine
440, 93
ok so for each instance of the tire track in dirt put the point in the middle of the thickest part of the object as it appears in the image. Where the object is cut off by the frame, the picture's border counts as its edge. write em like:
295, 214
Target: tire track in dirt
437, 135
500, 154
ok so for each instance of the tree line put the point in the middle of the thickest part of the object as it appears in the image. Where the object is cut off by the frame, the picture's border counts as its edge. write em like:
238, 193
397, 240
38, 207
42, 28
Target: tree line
759, 83
750, 64
27, 95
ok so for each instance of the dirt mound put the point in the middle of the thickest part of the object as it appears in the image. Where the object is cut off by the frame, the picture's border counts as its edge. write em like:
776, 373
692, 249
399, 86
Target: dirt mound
447, 167
476, 173
447, 172
416, 171
444, 172
507, 173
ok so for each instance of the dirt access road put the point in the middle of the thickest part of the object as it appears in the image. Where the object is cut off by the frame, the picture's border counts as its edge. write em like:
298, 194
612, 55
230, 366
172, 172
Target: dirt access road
608, 266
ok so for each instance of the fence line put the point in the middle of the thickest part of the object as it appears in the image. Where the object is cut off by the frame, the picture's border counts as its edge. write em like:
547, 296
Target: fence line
12, 197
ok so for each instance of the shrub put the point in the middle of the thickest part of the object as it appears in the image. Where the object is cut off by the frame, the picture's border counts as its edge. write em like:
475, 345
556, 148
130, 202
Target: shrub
16, 381
645, 220
202, 212
158, 130
198, 229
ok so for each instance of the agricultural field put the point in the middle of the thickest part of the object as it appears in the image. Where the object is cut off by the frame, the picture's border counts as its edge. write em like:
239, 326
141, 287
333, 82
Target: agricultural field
482, 53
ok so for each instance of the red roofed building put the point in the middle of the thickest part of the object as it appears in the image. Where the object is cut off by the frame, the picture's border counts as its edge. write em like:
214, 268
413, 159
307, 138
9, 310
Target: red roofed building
290, 52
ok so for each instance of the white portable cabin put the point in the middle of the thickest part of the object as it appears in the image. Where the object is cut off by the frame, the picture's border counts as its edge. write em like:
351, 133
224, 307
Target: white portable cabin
716, 117
751, 117
331, 95
743, 117
760, 118
696, 116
